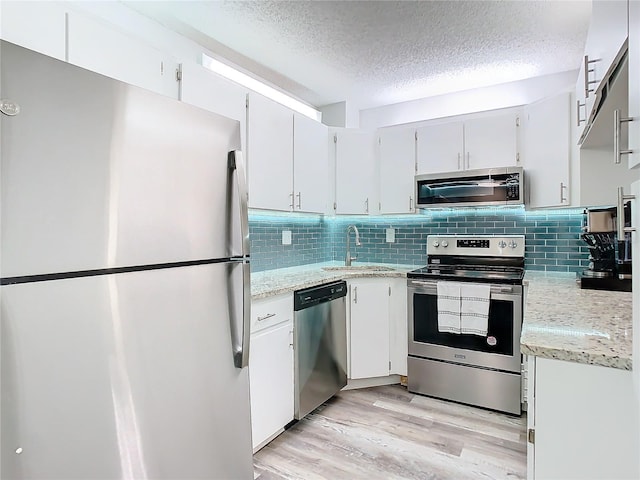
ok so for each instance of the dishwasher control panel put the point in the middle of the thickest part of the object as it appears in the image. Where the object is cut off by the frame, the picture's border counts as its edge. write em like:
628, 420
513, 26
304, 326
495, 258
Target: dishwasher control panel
316, 295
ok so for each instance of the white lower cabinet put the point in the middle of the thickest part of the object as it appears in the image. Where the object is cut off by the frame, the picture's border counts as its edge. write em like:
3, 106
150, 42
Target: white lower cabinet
369, 328
582, 421
271, 368
398, 326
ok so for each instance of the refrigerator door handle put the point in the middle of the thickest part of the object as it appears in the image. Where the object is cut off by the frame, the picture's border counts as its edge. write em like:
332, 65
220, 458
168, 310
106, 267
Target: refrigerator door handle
241, 346
236, 162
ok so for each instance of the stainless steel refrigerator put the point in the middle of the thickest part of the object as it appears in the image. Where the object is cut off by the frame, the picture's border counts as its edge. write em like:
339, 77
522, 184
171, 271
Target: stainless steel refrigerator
125, 281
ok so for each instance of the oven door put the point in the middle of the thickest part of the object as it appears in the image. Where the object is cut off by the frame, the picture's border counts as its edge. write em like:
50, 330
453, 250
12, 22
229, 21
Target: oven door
499, 350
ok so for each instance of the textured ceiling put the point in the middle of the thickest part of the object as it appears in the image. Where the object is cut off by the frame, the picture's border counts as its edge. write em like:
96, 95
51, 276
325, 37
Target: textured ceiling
374, 53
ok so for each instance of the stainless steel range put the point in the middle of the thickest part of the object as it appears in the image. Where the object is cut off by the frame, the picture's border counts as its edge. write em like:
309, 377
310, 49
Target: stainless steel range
482, 368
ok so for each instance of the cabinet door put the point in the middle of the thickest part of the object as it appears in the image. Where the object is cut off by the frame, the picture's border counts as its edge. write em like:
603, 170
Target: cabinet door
634, 83
490, 142
546, 152
355, 172
98, 47
271, 381
398, 326
591, 408
439, 148
607, 32
203, 88
269, 154
38, 26
369, 331
397, 161
310, 165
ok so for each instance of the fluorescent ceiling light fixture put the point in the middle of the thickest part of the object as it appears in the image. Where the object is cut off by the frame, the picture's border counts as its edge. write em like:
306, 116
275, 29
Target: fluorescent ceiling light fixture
257, 86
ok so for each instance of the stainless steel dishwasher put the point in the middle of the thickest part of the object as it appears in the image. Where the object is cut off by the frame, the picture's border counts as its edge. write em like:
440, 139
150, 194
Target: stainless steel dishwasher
320, 345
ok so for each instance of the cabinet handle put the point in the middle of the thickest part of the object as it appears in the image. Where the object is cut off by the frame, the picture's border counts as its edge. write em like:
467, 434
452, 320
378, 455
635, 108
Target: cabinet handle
355, 294
467, 160
617, 123
459, 168
578, 105
299, 195
366, 206
291, 338
621, 230
291, 204
268, 315
587, 71
410, 203
563, 187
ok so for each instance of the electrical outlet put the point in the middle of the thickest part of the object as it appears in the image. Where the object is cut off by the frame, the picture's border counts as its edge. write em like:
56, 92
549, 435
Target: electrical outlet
286, 237
391, 235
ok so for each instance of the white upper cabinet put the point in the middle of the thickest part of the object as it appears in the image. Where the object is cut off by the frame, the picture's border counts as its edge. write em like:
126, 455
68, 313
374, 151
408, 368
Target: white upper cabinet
310, 165
491, 141
269, 154
485, 141
546, 151
439, 148
397, 161
38, 26
608, 31
96, 46
634, 83
203, 88
355, 171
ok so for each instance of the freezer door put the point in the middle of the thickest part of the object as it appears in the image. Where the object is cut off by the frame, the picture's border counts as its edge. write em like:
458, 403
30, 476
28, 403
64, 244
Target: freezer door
96, 173
124, 376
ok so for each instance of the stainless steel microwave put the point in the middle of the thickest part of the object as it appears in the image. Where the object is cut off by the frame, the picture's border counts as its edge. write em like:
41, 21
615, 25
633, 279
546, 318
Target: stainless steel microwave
490, 186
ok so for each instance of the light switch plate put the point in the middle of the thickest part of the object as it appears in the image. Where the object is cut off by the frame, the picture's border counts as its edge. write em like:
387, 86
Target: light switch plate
286, 237
391, 235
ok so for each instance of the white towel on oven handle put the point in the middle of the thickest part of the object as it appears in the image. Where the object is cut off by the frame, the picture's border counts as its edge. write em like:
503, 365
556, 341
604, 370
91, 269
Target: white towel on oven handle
474, 308
448, 307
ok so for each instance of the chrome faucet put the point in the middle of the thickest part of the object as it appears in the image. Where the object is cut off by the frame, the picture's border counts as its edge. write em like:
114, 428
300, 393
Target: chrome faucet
348, 259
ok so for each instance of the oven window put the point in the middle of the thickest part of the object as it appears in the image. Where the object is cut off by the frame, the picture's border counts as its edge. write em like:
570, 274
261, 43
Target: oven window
500, 332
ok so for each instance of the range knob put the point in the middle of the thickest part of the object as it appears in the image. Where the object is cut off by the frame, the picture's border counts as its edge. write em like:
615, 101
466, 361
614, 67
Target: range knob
436, 244
513, 244
445, 244
502, 244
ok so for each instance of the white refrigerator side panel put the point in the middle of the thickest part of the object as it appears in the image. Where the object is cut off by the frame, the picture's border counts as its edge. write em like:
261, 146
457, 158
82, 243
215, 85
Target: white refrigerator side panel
125, 376
96, 173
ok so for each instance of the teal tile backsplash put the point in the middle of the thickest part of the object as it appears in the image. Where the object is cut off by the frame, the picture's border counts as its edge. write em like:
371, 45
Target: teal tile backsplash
552, 236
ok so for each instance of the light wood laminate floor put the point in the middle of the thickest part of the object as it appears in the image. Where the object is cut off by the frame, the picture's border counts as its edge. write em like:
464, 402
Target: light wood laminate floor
389, 433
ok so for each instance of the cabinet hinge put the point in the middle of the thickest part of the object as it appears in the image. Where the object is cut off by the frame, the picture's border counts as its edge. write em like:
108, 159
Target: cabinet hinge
517, 121
531, 436
335, 138
179, 73
415, 135
518, 157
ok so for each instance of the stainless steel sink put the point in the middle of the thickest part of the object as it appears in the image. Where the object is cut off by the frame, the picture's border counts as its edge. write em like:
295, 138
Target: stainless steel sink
359, 268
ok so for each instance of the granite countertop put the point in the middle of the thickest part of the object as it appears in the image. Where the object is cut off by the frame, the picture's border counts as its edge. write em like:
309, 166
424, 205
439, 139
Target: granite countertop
564, 322
561, 321
283, 280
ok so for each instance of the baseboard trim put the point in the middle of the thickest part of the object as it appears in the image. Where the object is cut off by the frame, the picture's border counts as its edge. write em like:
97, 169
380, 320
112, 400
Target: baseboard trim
372, 382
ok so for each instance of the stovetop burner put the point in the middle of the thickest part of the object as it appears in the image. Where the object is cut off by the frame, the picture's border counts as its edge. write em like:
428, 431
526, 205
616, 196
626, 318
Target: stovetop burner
467, 258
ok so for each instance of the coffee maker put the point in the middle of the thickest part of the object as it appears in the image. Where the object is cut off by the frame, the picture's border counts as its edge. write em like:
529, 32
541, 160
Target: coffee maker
609, 257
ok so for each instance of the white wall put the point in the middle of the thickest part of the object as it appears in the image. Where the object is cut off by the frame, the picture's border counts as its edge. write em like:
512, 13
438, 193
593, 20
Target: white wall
481, 99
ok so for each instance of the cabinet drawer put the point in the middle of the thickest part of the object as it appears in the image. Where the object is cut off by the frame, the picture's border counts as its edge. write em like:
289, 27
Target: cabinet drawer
271, 311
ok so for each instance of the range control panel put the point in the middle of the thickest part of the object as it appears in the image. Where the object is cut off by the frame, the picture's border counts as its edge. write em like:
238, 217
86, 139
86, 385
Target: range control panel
477, 245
